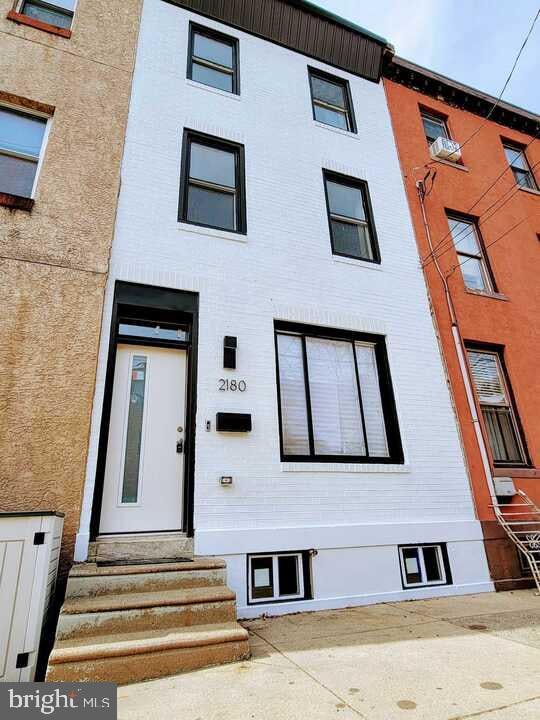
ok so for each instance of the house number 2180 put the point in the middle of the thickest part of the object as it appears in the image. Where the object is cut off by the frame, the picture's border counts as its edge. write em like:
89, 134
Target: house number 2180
232, 385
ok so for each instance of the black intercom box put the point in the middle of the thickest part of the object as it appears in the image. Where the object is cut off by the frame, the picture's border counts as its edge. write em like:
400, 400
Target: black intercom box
233, 422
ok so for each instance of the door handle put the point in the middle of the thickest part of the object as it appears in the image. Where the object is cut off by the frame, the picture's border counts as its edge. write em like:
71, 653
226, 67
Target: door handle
180, 447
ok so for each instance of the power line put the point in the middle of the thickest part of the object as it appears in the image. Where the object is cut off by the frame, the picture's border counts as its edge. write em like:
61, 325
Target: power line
504, 234
481, 221
496, 104
510, 192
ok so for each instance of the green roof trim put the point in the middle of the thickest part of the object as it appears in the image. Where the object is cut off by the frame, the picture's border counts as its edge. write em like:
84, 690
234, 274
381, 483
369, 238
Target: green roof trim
346, 23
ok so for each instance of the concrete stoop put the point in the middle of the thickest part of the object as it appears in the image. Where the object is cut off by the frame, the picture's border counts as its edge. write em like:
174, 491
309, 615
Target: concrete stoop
128, 623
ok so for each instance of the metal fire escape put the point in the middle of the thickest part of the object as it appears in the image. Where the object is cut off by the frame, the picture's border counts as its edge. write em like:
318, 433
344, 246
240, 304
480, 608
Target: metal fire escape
521, 522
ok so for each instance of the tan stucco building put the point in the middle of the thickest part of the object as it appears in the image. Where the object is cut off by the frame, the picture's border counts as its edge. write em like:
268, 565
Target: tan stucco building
65, 80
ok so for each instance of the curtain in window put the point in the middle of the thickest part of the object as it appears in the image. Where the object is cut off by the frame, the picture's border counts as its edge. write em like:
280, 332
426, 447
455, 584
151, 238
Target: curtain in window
371, 400
335, 407
294, 422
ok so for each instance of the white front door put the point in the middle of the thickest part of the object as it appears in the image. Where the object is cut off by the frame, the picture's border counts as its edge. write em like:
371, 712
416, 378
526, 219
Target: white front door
144, 469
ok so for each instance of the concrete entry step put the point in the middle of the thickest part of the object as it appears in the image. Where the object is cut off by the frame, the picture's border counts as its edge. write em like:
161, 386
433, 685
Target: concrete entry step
140, 546
130, 657
131, 622
90, 579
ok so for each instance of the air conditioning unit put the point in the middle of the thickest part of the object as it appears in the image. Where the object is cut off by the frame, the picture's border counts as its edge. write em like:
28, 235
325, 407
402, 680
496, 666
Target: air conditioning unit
445, 149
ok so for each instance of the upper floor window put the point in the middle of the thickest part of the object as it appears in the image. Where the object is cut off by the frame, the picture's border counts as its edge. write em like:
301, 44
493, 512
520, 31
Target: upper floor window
213, 59
212, 184
331, 100
520, 167
470, 253
352, 230
495, 401
335, 396
57, 12
434, 127
21, 140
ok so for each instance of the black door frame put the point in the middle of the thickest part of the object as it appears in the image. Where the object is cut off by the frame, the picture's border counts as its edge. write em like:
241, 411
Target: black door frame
144, 302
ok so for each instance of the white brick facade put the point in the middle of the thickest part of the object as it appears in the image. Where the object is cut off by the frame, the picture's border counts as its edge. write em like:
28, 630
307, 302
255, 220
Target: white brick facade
284, 269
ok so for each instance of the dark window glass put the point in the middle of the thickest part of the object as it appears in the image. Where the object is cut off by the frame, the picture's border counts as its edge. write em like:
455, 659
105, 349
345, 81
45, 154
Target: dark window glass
58, 13
262, 581
331, 102
520, 167
497, 410
432, 564
434, 127
288, 575
130, 484
213, 59
154, 331
333, 401
212, 187
21, 138
351, 226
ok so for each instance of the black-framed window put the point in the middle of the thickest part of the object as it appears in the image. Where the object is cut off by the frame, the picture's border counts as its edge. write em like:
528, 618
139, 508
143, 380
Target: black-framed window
424, 565
475, 268
58, 12
350, 217
213, 59
331, 100
335, 396
519, 164
278, 577
212, 187
494, 395
434, 126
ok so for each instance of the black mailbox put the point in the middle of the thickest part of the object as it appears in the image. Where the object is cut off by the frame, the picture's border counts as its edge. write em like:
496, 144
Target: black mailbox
233, 422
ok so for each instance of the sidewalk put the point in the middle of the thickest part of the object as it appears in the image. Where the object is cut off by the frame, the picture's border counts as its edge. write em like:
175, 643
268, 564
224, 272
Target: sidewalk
475, 656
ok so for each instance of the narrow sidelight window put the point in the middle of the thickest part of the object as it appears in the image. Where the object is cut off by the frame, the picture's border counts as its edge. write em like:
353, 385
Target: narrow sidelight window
500, 418
132, 459
335, 396
21, 140
331, 100
519, 165
352, 230
212, 186
277, 577
471, 256
424, 565
57, 12
434, 127
213, 59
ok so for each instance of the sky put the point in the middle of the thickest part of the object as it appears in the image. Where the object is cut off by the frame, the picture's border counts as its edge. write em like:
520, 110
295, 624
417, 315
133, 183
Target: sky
472, 41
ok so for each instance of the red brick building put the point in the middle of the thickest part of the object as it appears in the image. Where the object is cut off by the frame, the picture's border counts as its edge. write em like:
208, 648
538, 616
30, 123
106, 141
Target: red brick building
477, 220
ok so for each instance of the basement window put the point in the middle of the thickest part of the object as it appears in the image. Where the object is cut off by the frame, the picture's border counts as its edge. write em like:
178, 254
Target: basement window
277, 577
423, 565
58, 13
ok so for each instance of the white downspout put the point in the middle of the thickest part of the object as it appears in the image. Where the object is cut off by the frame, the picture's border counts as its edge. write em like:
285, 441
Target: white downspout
463, 364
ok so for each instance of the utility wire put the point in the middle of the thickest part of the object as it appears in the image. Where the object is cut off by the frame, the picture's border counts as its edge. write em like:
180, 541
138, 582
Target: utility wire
496, 104
438, 251
509, 190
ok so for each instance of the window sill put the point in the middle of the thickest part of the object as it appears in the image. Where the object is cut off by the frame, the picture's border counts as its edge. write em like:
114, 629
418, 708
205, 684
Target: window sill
492, 295
532, 191
339, 131
528, 473
456, 165
355, 261
213, 90
343, 467
212, 232
16, 202
38, 24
